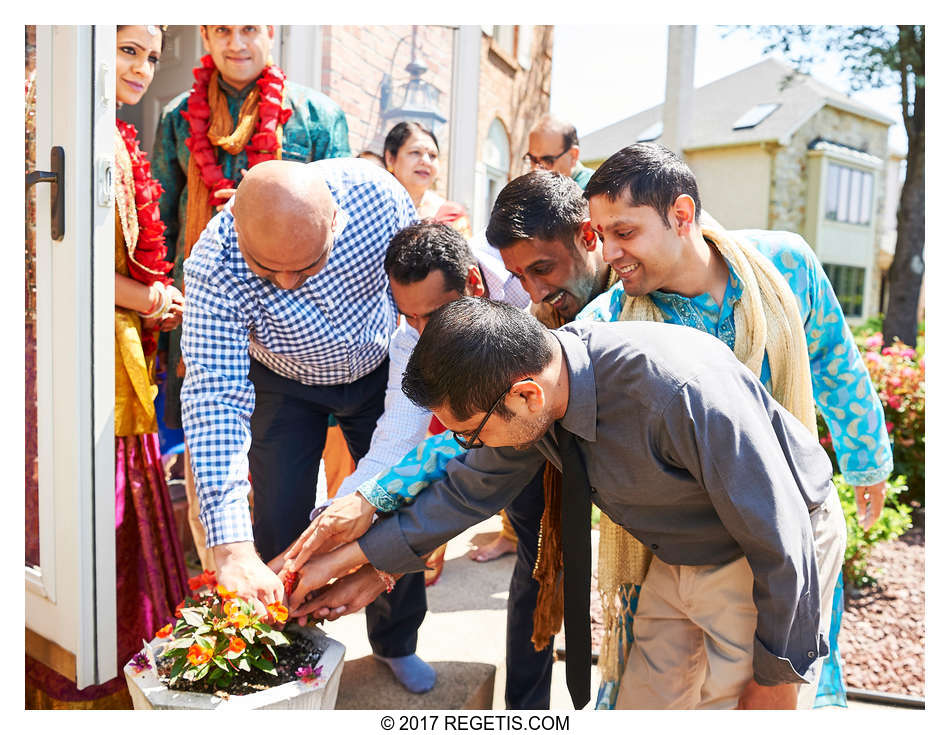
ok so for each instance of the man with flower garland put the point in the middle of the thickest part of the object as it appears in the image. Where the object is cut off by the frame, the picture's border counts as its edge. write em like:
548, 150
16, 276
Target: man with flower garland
241, 110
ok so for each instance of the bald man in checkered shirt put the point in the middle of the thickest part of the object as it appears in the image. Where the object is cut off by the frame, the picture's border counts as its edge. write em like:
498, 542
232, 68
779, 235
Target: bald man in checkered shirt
288, 320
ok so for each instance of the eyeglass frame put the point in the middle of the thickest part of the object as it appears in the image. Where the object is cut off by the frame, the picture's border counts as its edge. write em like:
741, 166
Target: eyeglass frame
546, 161
471, 443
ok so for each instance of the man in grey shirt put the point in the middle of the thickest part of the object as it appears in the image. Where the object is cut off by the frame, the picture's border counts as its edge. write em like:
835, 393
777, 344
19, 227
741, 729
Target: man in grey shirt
683, 447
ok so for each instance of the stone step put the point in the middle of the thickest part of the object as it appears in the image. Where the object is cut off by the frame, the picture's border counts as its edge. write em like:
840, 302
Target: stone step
369, 684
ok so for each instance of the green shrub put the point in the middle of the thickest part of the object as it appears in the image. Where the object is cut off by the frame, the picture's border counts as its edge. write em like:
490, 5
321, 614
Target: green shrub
894, 521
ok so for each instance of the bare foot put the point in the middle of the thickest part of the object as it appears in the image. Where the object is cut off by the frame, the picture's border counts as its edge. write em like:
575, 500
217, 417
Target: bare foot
496, 548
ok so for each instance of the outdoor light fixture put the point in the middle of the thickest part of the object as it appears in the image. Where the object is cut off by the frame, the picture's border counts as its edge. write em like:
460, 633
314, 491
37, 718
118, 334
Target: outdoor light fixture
419, 99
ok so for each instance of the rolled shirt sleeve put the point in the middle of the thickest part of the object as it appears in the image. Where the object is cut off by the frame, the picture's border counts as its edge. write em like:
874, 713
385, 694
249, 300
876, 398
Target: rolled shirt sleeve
726, 431
475, 487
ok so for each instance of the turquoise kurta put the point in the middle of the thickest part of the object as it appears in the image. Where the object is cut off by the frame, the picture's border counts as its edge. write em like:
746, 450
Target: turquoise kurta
316, 130
581, 174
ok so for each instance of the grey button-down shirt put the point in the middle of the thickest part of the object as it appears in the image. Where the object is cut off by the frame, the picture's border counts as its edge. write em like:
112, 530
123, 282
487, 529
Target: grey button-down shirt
687, 451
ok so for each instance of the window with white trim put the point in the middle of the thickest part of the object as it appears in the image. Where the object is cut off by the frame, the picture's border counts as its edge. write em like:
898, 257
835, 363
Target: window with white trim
848, 284
848, 195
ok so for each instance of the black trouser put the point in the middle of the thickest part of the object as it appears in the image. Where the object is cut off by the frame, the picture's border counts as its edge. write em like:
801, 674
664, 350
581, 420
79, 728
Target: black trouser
288, 433
528, 678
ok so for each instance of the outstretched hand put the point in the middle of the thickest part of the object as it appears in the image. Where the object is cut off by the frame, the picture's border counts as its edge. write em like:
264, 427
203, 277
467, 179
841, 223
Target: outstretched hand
322, 569
241, 570
348, 594
346, 519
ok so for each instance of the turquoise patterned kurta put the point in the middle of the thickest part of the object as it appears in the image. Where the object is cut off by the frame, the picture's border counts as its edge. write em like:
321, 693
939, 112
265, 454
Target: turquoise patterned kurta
317, 129
843, 390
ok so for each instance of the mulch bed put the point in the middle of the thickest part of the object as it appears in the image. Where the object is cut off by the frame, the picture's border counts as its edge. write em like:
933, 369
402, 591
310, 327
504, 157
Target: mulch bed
882, 630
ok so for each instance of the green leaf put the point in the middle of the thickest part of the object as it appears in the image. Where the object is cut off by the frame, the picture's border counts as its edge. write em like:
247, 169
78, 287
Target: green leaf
192, 616
243, 664
202, 671
249, 634
276, 637
203, 629
183, 643
264, 665
178, 668
219, 662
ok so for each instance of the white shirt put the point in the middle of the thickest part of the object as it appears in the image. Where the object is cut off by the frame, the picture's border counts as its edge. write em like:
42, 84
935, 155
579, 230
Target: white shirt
403, 424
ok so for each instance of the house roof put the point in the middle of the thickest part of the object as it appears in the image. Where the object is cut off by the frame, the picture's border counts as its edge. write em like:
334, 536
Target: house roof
719, 105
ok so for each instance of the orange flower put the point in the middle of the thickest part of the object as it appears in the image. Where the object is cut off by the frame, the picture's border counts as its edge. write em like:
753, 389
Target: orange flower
224, 593
164, 632
199, 654
235, 616
178, 609
236, 644
206, 578
278, 610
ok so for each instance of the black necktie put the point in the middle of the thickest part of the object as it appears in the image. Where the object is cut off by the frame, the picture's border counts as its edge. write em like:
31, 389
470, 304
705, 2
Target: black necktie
575, 546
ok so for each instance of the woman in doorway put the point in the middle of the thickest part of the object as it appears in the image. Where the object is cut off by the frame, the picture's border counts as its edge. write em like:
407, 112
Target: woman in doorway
150, 571
411, 154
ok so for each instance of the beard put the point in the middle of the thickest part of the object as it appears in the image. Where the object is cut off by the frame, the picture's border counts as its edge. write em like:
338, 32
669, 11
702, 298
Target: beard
527, 432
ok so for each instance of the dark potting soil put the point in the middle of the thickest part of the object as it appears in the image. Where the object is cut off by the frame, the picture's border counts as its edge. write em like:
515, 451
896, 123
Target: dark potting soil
302, 651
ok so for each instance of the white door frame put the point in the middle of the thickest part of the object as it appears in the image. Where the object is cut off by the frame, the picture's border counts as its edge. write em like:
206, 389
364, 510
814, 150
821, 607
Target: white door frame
70, 599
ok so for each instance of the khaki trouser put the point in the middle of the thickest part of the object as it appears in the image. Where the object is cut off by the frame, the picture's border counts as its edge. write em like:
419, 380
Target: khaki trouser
694, 627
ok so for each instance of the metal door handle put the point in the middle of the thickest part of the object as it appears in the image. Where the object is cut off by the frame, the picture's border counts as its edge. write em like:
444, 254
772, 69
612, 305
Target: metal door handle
57, 199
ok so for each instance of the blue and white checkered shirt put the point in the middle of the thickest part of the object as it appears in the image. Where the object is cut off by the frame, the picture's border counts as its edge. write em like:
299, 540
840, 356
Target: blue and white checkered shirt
334, 329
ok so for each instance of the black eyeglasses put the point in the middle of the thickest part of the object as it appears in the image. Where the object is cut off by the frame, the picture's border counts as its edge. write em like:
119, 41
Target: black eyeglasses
475, 442
546, 161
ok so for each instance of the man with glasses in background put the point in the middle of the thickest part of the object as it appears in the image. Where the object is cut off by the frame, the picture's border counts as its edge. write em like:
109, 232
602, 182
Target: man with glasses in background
553, 146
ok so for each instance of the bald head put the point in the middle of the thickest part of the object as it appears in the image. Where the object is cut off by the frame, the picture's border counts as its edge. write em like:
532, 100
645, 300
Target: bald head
283, 215
552, 143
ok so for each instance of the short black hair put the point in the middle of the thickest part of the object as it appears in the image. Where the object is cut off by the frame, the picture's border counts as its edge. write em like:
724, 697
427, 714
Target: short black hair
418, 249
648, 174
470, 352
400, 133
540, 204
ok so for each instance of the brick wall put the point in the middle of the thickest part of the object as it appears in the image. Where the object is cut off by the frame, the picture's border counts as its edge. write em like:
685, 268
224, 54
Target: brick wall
355, 61
517, 97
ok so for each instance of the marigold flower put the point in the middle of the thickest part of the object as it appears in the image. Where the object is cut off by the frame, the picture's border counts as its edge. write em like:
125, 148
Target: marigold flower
278, 610
199, 654
164, 631
236, 644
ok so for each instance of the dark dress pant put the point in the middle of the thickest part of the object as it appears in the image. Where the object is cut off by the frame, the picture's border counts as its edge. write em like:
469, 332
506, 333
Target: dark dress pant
528, 677
288, 433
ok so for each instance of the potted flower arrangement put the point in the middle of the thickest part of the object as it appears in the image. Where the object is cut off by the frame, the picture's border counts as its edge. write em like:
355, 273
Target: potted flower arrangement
220, 653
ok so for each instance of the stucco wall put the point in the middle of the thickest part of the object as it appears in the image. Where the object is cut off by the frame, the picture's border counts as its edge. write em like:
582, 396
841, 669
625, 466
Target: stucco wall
734, 184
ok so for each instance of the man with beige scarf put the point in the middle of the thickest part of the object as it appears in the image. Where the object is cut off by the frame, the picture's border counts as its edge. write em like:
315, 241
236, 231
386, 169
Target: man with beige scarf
241, 110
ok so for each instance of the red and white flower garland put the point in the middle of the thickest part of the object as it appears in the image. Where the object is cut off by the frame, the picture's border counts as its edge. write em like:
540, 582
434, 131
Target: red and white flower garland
263, 144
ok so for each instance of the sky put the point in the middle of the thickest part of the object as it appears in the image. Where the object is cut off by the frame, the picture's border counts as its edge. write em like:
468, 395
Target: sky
627, 74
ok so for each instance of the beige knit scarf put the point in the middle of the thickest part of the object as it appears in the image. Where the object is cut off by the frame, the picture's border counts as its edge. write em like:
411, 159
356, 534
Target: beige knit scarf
767, 323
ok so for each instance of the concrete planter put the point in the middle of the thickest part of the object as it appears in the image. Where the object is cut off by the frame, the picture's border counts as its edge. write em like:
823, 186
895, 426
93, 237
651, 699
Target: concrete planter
148, 692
